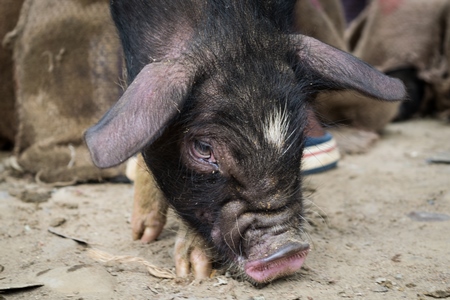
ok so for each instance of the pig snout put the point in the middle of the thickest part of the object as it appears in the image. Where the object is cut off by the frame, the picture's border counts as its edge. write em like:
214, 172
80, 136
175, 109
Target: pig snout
285, 261
267, 244
274, 252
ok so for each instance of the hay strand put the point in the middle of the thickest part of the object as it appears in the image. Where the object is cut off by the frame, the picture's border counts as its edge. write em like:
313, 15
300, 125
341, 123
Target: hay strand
155, 271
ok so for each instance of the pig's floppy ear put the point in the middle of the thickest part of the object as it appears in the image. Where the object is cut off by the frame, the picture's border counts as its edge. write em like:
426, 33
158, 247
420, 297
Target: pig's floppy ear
332, 68
141, 114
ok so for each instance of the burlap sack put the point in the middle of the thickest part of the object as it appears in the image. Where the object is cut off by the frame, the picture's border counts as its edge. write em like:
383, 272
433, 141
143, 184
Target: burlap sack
352, 8
323, 20
68, 64
439, 100
393, 34
9, 13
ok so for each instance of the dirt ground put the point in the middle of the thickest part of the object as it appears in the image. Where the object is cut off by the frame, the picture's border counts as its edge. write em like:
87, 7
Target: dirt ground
379, 229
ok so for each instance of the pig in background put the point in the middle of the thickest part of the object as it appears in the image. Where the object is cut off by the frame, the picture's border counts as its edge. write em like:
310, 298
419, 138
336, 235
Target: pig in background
218, 105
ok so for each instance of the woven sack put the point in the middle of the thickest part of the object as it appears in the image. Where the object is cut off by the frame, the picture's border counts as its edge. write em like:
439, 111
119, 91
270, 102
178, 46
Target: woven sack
68, 65
9, 13
394, 34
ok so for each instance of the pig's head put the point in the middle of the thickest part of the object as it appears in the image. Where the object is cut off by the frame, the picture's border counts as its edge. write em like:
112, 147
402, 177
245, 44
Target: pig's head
221, 126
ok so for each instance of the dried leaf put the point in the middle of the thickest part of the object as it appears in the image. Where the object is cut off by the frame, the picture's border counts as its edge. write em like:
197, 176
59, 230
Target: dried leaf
19, 286
55, 232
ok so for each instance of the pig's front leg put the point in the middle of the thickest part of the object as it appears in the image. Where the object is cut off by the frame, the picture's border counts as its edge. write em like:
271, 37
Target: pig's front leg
149, 217
150, 206
191, 254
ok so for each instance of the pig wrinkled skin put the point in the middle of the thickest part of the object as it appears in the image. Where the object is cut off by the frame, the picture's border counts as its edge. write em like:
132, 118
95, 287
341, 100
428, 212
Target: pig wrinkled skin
217, 104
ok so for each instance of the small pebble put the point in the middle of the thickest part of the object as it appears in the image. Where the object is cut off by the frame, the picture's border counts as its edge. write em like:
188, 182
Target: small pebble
56, 222
422, 216
220, 282
380, 289
380, 280
69, 205
32, 195
439, 294
440, 158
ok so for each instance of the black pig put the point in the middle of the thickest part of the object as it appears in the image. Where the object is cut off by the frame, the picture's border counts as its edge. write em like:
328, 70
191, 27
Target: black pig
217, 104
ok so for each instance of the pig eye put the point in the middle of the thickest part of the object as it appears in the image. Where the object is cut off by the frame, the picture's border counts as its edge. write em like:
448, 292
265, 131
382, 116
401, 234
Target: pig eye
203, 151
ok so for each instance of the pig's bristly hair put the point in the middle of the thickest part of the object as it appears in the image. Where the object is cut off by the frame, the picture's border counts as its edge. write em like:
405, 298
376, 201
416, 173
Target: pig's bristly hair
241, 62
224, 74
245, 86
153, 30
246, 95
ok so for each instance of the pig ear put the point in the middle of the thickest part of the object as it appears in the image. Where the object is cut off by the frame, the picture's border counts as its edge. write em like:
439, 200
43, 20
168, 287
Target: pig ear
332, 68
141, 114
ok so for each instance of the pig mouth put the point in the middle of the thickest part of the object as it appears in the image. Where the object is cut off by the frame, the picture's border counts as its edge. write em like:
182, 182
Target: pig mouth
283, 262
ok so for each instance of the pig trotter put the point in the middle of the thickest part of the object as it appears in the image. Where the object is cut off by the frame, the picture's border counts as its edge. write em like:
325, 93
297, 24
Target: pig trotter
150, 206
148, 227
190, 254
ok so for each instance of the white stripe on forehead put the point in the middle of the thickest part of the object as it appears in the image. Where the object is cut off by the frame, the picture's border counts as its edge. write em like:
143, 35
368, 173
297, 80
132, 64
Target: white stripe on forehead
276, 128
